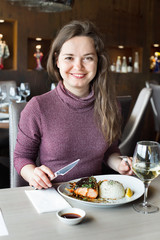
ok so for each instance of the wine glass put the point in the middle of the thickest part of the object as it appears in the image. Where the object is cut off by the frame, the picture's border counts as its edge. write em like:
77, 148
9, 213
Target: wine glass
3, 92
146, 165
25, 90
14, 94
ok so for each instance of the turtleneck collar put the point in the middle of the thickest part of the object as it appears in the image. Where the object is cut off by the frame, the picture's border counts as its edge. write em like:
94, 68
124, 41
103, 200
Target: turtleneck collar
74, 102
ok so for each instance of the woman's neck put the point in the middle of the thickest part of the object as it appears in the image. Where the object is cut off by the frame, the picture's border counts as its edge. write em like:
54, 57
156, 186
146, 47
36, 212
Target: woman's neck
81, 93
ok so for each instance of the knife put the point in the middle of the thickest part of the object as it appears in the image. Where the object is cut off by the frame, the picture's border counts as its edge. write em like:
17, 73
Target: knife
66, 169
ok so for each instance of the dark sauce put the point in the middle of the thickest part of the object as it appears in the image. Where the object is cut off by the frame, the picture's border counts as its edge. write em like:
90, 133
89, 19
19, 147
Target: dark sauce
70, 215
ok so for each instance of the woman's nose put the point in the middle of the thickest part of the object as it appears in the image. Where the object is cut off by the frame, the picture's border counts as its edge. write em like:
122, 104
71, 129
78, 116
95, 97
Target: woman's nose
78, 64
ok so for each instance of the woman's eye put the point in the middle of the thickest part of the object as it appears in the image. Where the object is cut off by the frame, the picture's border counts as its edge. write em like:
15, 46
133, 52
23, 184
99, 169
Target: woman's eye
68, 58
88, 59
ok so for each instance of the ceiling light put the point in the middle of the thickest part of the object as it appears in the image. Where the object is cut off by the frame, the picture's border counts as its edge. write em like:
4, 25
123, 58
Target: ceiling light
156, 45
120, 46
38, 39
45, 5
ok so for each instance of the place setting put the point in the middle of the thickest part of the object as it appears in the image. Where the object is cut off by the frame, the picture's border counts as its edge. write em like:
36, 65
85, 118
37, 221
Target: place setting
115, 190
102, 191
105, 190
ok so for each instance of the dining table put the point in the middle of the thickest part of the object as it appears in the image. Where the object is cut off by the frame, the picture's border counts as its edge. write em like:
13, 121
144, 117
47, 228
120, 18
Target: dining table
4, 124
4, 115
106, 223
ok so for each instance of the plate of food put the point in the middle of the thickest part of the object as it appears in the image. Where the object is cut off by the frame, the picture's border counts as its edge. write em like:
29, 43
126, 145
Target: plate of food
103, 190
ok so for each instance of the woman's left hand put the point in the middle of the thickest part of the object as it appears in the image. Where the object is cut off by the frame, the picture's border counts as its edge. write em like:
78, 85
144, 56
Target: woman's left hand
125, 168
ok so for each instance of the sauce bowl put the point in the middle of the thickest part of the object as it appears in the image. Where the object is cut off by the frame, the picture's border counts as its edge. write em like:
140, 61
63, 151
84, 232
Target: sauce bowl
71, 216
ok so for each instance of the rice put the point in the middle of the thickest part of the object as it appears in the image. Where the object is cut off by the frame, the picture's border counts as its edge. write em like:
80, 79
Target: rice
111, 190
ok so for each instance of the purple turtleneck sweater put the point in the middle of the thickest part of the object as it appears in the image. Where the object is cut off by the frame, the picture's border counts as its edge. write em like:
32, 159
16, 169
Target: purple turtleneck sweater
58, 128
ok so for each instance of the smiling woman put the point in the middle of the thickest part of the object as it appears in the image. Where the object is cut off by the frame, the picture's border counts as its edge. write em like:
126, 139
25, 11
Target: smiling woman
78, 119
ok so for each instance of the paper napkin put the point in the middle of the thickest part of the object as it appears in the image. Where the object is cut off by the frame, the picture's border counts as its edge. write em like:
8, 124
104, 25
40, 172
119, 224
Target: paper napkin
47, 200
3, 228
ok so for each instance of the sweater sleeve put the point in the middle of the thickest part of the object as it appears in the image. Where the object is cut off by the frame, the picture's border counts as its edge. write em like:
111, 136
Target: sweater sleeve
29, 135
112, 149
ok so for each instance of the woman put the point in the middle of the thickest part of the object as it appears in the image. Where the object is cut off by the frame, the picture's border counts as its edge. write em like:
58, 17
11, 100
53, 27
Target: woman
78, 119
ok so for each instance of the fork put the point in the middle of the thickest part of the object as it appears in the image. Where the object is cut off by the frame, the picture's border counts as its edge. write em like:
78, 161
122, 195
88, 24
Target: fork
125, 158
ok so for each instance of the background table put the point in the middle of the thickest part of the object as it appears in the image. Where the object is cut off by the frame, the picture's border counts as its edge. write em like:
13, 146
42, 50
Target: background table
23, 221
4, 124
4, 120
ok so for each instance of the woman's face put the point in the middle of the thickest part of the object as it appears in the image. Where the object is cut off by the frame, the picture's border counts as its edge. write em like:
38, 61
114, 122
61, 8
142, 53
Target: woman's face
77, 63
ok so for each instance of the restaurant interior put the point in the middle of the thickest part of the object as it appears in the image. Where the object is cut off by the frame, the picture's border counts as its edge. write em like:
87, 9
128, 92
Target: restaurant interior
131, 32
113, 205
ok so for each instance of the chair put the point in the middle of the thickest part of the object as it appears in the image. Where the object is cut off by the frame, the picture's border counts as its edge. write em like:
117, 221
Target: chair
155, 103
131, 131
125, 103
4, 140
14, 116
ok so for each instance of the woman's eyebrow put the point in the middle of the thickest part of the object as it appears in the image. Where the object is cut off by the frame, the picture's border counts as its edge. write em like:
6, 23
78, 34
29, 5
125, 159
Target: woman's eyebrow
89, 54
86, 54
68, 54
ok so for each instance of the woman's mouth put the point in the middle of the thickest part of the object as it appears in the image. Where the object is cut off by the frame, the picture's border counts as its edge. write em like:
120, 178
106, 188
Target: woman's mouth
78, 75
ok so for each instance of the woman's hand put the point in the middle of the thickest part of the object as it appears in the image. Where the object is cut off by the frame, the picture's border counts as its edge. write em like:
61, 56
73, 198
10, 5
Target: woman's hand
125, 168
38, 177
118, 164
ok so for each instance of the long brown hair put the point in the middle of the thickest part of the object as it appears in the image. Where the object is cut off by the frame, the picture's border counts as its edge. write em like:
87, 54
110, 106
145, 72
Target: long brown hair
105, 106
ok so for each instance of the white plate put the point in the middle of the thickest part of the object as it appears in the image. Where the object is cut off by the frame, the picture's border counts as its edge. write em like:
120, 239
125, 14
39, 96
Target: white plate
128, 181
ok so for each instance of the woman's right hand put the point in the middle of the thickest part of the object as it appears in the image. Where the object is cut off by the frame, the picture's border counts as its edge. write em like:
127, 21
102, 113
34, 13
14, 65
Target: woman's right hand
38, 177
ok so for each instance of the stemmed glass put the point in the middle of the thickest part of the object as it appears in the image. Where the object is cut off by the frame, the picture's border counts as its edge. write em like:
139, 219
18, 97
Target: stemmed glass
3, 92
25, 90
146, 165
14, 94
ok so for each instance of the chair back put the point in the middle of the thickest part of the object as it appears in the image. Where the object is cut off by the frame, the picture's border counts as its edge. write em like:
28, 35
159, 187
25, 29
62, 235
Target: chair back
130, 133
125, 103
14, 115
155, 103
